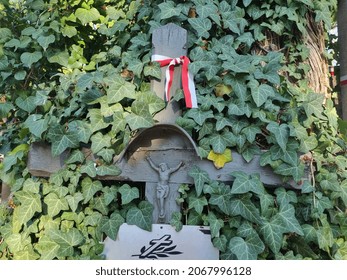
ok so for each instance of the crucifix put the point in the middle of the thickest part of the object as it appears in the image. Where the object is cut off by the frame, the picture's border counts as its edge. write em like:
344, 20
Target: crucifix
163, 188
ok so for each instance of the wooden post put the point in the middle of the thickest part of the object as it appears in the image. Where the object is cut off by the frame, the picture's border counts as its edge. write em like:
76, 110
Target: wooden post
169, 40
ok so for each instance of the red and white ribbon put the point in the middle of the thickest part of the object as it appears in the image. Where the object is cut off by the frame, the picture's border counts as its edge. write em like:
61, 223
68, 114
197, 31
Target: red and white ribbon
187, 78
343, 80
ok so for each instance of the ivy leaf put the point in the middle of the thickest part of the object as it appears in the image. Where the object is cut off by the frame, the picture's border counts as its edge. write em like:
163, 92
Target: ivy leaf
128, 193
110, 194
200, 116
176, 221
55, 204
296, 172
111, 170
222, 199
220, 243
83, 130
155, 103
140, 116
69, 31
47, 248
313, 104
66, 240
215, 224
239, 64
74, 200
286, 216
141, 216
281, 133
220, 160
30, 203
201, 26
87, 15
261, 93
45, 41
99, 141
342, 192
108, 110
60, 57
27, 254
89, 168
284, 197
200, 178
137, 65
206, 129
110, 226
90, 188
17, 242
245, 208
242, 249
153, 70
249, 152
93, 219
31, 186
20, 75
207, 10
197, 203
29, 58
325, 235
168, 10
246, 38
325, 16
62, 140
119, 122
27, 104
251, 132
119, 89
218, 143
308, 143
5, 108
97, 121
239, 86
245, 183
100, 205
76, 156
107, 155
36, 124
272, 233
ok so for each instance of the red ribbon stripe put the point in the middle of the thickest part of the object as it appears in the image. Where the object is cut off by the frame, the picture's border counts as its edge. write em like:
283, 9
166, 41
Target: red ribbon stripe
187, 79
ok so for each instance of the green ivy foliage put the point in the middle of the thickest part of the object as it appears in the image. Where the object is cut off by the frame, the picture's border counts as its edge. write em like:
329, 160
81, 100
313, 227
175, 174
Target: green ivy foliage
77, 73
68, 215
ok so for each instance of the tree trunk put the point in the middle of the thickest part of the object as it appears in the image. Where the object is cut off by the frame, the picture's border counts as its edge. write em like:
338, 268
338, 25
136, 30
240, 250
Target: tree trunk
318, 76
342, 33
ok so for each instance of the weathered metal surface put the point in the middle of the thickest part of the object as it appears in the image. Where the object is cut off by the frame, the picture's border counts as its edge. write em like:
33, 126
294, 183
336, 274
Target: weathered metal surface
170, 205
163, 242
41, 163
169, 40
163, 143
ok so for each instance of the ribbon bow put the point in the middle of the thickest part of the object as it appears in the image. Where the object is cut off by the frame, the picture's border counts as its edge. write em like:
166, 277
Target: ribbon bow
187, 78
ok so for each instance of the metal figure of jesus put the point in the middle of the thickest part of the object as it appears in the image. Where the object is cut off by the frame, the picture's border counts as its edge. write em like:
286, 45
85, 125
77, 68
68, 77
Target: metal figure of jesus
163, 184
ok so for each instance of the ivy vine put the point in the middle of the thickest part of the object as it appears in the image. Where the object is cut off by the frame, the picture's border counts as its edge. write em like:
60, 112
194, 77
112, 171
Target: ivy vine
77, 74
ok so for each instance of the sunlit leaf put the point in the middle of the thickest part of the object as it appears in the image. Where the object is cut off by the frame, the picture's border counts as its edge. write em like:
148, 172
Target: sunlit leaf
220, 160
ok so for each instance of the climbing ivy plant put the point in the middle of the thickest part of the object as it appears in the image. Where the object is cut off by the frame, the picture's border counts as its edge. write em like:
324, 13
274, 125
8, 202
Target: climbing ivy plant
76, 74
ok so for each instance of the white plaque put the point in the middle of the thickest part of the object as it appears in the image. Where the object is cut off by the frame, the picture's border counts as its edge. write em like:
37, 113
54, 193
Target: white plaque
163, 242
